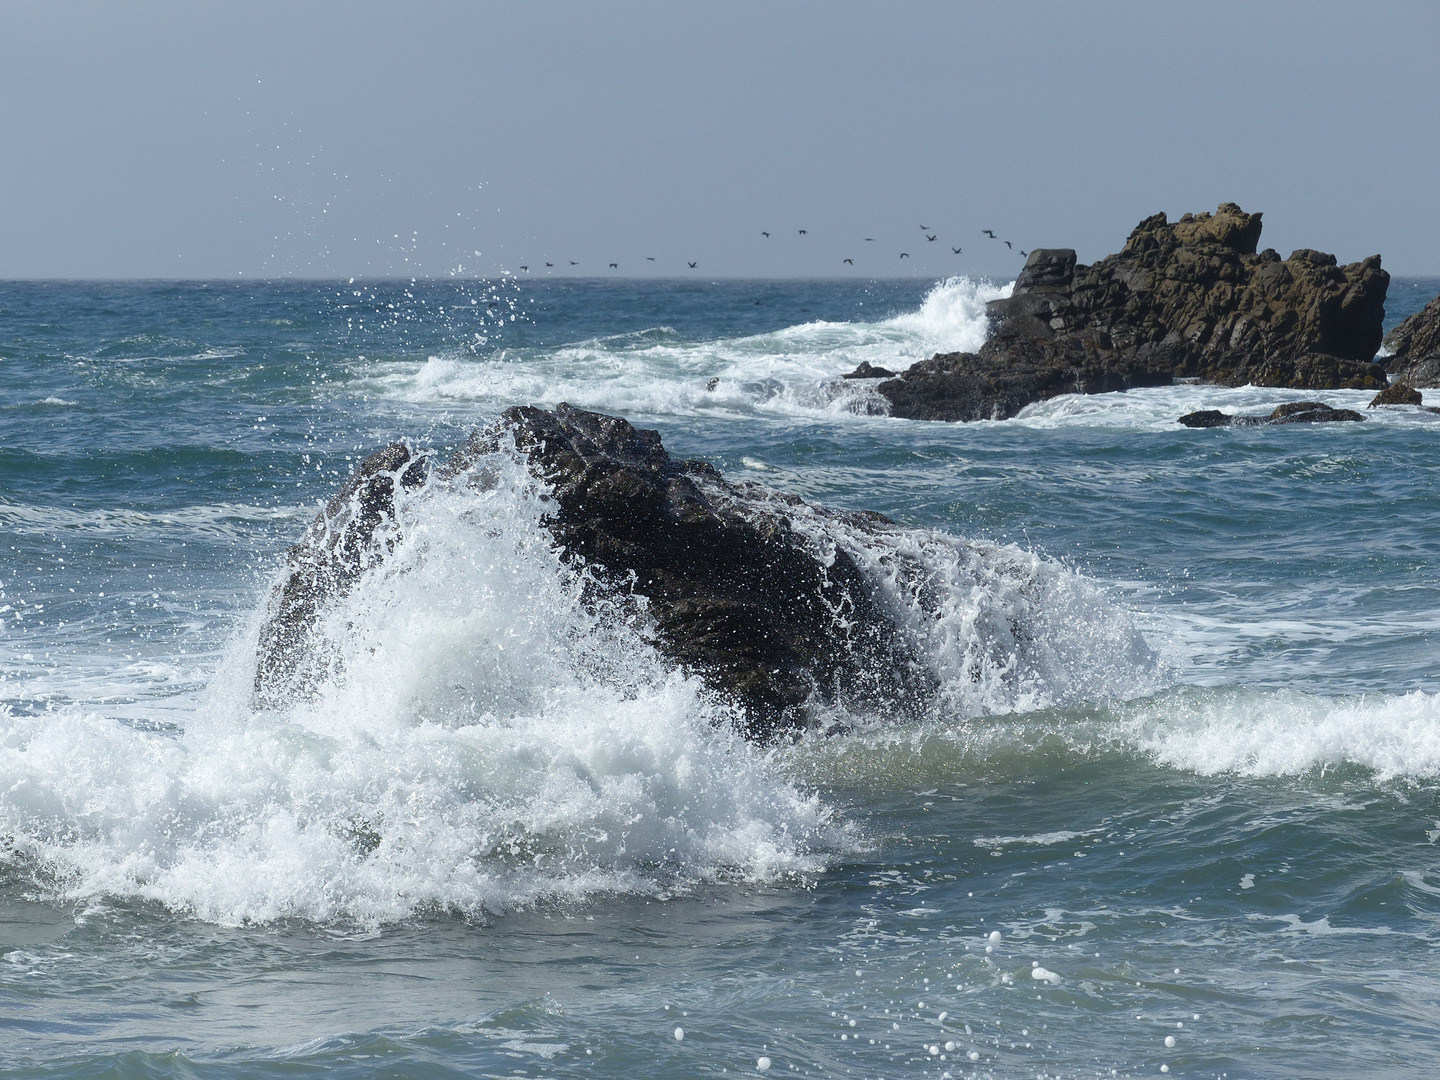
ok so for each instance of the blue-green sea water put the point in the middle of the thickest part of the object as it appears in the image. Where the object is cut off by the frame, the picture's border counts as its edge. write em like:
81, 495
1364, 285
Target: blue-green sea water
1193, 833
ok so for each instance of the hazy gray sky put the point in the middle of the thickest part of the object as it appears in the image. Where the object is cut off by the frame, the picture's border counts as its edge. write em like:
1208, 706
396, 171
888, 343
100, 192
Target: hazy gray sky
210, 140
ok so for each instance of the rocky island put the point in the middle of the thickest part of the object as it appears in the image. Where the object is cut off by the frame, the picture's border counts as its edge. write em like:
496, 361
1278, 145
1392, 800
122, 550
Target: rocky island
1192, 299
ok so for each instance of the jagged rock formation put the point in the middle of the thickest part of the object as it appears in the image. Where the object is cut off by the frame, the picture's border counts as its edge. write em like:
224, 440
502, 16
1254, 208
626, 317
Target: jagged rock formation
1192, 299
1294, 412
1415, 347
733, 591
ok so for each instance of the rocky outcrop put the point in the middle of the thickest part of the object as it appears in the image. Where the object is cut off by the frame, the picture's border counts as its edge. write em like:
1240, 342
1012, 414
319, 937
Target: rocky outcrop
1398, 394
768, 617
1293, 412
1192, 299
1415, 347
1000, 380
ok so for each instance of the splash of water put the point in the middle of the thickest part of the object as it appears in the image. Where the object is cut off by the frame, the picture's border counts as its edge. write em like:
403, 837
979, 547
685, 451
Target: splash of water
794, 371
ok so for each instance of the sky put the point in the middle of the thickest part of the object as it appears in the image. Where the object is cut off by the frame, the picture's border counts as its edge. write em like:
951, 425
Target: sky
320, 139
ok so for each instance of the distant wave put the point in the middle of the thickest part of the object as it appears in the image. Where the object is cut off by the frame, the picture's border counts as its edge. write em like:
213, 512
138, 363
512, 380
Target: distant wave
792, 371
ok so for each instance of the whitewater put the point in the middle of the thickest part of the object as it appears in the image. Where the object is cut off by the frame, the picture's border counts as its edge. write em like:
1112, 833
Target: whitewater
1175, 802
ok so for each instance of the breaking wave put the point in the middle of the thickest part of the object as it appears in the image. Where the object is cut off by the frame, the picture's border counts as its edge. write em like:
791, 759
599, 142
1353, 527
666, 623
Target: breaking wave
489, 737
793, 371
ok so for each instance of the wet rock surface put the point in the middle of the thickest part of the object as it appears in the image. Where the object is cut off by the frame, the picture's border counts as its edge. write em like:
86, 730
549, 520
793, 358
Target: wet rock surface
1293, 412
1189, 299
772, 619
1399, 394
867, 370
1415, 347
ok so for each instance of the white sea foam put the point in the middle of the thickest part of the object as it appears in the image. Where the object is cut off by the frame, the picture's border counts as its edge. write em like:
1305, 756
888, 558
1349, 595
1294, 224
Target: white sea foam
486, 737
1001, 628
486, 740
1286, 732
1241, 731
1036, 839
1157, 408
793, 371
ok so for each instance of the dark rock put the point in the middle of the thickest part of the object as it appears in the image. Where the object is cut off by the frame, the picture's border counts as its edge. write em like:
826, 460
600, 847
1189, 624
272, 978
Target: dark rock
1190, 299
1000, 380
1398, 394
1311, 371
1425, 372
1294, 412
868, 371
734, 591
1310, 412
1207, 418
1415, 347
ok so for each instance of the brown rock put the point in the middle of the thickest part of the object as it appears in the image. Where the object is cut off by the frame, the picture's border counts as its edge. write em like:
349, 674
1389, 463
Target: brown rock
1415, 347
1188, 299
1399, 394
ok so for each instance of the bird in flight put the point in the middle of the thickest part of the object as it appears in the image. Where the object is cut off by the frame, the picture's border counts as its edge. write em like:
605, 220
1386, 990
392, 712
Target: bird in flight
932, 239
574, 263
649, 258
1009, 245
614, 266
525, 268
692, 265
904, 254
802, 232
850, 261
956, 250
988, 233
869, 239
549, 264
764, 233
1025, 253
925, 228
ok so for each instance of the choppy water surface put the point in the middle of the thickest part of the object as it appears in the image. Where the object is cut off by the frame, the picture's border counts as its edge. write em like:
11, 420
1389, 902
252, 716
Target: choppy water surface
1187, 824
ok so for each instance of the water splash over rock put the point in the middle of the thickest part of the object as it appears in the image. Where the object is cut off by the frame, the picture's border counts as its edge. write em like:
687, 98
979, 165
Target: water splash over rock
788, 611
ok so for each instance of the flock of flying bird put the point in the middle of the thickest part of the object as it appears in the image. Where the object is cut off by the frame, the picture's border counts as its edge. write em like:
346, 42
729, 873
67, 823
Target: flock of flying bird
925, 229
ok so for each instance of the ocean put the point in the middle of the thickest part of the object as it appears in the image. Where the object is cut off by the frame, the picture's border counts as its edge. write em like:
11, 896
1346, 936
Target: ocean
1187, 826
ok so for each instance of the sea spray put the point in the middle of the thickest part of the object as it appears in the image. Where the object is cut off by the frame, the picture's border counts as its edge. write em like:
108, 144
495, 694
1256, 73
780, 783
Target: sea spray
793, 371
486, 740
1000, 629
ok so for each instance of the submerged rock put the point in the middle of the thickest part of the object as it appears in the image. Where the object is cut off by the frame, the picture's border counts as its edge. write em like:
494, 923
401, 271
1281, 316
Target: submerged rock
1207, 418
1294, 412
1309, 412
1191, 299
866, 370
